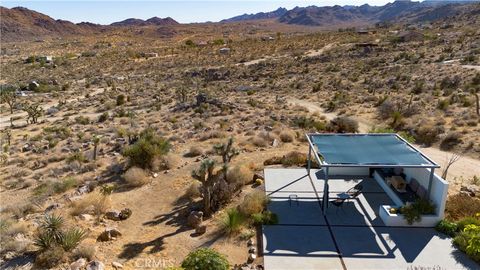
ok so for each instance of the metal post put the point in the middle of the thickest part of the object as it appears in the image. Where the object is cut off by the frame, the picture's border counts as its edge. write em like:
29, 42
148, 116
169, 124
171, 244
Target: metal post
309, 164
325, 193
432, 171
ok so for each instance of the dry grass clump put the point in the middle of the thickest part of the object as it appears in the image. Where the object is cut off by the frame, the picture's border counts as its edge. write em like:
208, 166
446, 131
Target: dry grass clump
240, 175
259, 141
165, 162
85, 251
293, 158
194, 151
212, 135
461, 206
253, 203
193, 191
93, 203
136, 177
287, 136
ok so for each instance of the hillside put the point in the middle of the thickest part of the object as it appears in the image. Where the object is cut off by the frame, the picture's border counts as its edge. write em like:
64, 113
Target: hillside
152, 21
258, 16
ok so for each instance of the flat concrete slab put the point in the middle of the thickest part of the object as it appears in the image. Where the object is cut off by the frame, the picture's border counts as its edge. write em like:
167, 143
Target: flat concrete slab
299, 247
381, 248
305, 239
288, 180
305, 211
362, 211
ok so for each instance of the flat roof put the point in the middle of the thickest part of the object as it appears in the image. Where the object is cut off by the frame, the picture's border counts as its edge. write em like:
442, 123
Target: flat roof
367, 150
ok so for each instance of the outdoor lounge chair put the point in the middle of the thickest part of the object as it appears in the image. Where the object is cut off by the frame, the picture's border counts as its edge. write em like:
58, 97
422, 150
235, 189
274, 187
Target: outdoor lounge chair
354, 191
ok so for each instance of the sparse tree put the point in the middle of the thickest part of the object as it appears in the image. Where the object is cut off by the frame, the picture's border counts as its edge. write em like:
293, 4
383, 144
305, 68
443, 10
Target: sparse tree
205, 174
450, 161
182, 94
8, 96
34, 111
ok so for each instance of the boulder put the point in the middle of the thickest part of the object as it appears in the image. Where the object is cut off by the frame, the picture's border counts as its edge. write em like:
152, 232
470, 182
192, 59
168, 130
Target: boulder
86, 217
250, 243
118, 215
117, 265
201, 229
109, 234
95, 265
251, 257
78, 264
252, 250
195, 219
470, 190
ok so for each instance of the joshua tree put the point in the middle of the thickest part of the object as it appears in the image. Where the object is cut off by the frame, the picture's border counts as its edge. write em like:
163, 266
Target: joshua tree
8, 95
227, 152
96, 141
208, 179
34, 111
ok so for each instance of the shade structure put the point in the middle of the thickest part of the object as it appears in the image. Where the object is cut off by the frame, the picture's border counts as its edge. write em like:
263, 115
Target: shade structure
368, 149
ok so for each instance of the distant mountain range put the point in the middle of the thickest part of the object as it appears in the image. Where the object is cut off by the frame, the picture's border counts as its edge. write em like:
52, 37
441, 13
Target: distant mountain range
17, 24
365, 14
151, 21
258, 16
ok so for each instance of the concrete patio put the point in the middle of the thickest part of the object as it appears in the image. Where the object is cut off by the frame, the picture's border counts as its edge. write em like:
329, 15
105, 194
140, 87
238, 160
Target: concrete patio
353, 237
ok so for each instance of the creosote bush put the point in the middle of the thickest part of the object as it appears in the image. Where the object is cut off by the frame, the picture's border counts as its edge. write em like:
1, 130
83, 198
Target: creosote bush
149, 146
253, 203
205, 258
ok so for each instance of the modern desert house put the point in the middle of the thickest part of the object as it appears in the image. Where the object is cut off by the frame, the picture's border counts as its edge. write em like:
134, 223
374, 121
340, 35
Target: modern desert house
403, 172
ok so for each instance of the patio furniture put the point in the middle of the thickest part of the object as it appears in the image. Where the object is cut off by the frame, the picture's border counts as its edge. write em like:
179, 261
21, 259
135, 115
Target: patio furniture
398, 183
352, 193
293, 197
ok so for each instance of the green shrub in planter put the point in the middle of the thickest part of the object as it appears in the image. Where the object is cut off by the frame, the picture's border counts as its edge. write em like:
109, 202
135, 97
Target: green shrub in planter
413, 212
447, 227
205, 258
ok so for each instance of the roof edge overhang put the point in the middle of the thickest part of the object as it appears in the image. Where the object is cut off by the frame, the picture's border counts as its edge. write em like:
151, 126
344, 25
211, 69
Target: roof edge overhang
433, 164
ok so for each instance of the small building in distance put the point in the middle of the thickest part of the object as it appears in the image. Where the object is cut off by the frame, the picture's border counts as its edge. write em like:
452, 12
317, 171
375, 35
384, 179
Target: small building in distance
224, 50
45, 58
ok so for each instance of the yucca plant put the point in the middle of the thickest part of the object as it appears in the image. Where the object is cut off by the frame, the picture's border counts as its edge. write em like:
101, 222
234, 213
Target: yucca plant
44, 241
71, 238
233, 221
52, 225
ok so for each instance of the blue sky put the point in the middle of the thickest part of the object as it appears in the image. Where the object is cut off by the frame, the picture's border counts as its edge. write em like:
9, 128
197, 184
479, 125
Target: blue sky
108, 11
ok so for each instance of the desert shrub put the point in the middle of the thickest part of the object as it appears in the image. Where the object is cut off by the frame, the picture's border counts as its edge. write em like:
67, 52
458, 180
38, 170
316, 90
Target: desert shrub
136, 177
447, 227
233, 221
460, 206
103, 117
205, 258
85, 251
287, 136
464, 222
443, 104
426, 134
265, 218
308, 123
193, 191
194, 151
120, 99
405, 135
253, 203
294, 158
92, 203
64, 185
77, 156
51, 257
468, 241
164, 162
259, 141
82, 120
343, 125
146, 149
239, 175
450, 141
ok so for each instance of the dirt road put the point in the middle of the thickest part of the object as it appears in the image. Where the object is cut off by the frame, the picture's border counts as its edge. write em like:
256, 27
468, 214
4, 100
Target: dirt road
465, 168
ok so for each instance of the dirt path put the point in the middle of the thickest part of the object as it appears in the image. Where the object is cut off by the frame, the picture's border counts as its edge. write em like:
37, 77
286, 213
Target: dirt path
465, 168
310, 53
